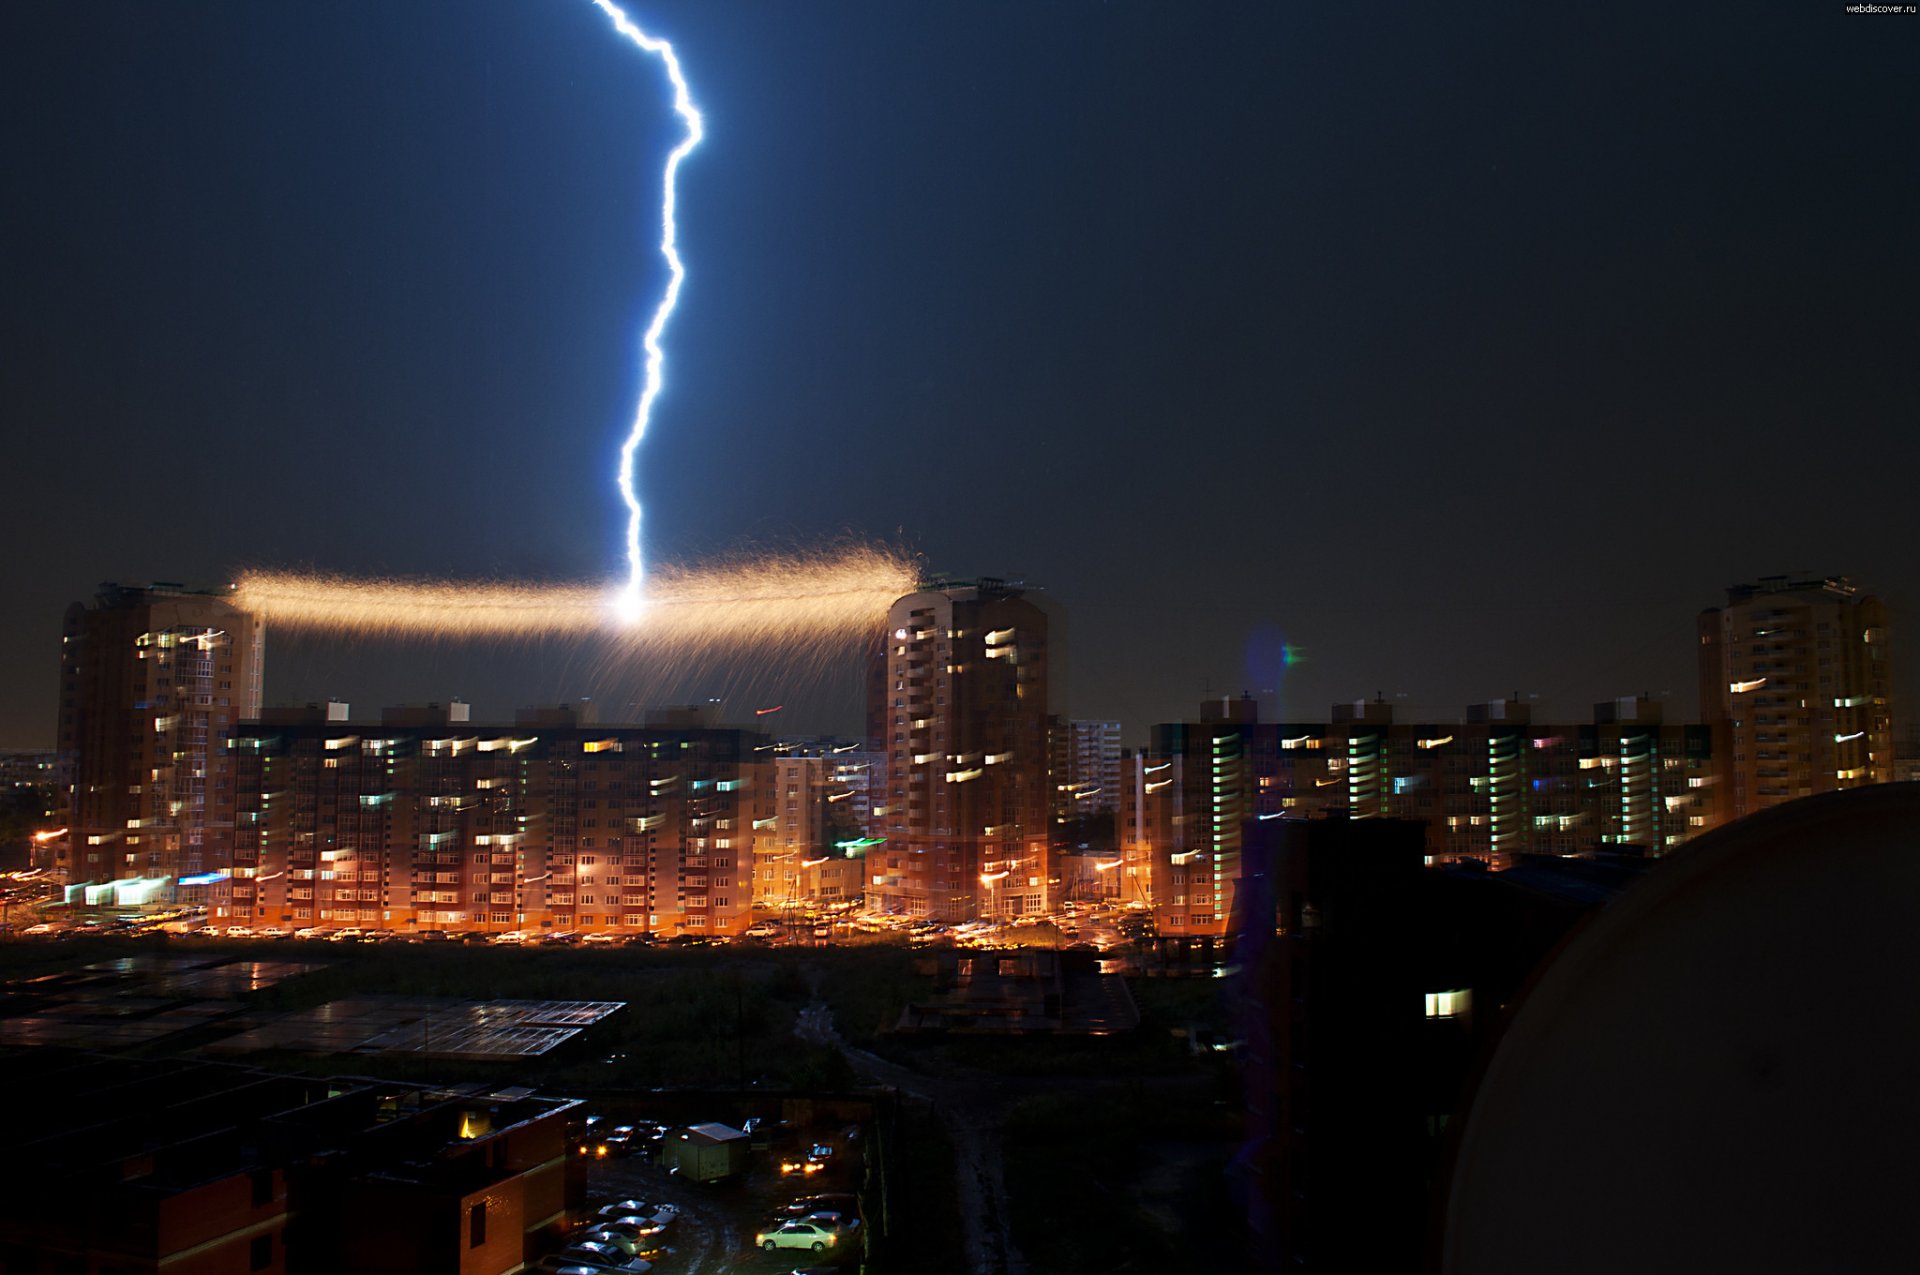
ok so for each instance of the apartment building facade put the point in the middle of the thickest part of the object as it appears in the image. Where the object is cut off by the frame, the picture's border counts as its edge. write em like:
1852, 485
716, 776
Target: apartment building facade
152, 680
962, 719
1492, 787
1796, 682
412, 825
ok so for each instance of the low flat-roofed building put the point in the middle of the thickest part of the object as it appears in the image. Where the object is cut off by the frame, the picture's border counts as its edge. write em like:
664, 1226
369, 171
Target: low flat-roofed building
202, 1168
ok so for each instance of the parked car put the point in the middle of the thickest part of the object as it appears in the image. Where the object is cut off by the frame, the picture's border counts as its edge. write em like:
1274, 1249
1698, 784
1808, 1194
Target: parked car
570, 1261
848, 1205
633, 1235
642, 1225
838, 1223
604, 1256
639, 1208
629, 1244
808, 1235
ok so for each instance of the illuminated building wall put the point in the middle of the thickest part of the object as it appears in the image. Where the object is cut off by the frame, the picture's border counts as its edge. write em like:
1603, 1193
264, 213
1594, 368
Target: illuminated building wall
151, 680
1085, 768
797, 832
1149, 807
1204, 803
1493, 787
808, 851
1468, 781
1364, 729
1648, 784
1796, 681
964, 712
455, 826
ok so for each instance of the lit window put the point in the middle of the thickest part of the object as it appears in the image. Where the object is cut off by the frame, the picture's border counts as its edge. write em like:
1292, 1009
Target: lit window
1449, 1004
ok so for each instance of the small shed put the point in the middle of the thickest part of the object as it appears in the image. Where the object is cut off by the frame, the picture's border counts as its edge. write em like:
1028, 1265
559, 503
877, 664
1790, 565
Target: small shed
707, 1152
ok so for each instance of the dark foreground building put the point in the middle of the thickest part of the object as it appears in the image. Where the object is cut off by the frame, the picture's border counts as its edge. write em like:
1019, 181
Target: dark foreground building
1370, 999
136, 1166
1715, 1074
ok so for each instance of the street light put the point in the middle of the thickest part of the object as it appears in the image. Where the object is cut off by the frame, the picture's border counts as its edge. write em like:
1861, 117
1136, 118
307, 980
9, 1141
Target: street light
992, 900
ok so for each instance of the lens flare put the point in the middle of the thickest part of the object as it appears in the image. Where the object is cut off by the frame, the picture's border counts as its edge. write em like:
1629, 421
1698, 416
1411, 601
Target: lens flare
676, 275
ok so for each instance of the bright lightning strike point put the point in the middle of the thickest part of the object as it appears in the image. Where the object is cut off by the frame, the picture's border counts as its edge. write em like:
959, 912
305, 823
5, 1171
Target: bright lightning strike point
628, 604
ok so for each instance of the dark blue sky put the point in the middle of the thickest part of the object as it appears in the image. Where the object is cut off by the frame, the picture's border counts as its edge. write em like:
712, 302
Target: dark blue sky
1467, 353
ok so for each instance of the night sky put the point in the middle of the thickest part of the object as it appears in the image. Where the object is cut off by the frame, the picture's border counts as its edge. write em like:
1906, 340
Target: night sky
1464, 353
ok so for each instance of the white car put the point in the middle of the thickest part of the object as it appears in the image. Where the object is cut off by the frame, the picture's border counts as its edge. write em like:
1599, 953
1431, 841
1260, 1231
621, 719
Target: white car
600, 936
808, 1235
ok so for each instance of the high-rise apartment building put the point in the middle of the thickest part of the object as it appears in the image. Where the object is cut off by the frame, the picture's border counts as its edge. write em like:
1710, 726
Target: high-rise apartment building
152, 680
426, 821
963, 723
1796, 681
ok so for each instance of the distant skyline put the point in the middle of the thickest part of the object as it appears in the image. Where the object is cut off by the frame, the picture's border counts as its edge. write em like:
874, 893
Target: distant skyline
1462, 353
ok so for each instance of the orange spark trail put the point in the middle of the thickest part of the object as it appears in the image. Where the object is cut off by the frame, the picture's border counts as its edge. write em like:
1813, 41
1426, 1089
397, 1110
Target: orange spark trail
792, 601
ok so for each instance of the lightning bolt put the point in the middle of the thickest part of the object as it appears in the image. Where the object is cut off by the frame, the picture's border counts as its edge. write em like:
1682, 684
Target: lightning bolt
629, 599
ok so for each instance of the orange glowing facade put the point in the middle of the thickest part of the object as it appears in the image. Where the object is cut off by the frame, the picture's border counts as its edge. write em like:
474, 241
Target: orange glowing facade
962, 714
536, 827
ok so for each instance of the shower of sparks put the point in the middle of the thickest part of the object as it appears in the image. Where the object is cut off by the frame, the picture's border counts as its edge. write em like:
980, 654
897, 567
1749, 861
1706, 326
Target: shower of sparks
788, 601
683, 107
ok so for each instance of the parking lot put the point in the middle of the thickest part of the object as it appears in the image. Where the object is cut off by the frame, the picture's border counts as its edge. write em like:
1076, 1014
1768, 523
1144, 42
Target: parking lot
715, 1231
